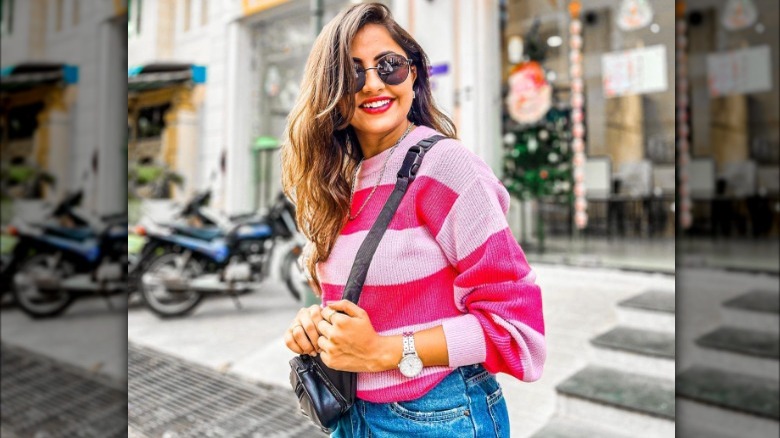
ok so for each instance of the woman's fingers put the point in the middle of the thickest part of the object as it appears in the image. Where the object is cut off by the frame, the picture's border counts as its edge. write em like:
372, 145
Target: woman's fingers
310, 330
300, 337
326, 329
324, 344
290, 342
348, 307
304, 334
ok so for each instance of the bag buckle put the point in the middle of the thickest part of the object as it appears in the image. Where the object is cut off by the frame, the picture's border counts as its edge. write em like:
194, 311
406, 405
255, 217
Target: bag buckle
411, 163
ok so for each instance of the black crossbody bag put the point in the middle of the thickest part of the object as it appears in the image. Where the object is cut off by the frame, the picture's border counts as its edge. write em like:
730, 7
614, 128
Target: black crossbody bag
325, 394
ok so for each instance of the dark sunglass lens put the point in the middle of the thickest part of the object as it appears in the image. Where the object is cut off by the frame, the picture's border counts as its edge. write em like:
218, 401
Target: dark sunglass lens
393, 69
360, 79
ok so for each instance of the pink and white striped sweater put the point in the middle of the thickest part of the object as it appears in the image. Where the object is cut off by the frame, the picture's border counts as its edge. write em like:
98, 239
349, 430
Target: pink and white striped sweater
448, 258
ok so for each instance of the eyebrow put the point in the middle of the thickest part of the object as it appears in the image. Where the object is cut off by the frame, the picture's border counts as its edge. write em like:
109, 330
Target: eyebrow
379, 55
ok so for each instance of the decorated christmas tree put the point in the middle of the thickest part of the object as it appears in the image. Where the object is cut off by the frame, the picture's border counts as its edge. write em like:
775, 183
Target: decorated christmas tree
538, 156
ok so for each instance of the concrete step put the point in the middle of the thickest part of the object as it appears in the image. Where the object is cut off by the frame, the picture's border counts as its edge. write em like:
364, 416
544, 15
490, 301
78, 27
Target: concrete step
748, 351
625, 401
755, 310
651, 310
731, 403
633, 350
698, 432
562, 427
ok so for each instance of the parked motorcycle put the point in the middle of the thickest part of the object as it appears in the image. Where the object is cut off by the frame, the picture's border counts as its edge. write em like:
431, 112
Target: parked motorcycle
200, 223
181, 264
70, 255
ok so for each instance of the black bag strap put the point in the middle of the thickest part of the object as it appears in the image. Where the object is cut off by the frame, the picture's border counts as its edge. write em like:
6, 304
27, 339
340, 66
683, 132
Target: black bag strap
407, 174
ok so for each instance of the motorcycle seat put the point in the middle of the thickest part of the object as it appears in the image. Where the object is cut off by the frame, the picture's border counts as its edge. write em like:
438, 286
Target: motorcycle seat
78, 234
243, 217
208, 234
255, 230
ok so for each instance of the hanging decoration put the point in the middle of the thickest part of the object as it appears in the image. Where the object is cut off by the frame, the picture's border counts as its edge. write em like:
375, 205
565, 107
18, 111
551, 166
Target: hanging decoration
683, 129
537, 162
739, 14
577, 118
634, 14
530, 95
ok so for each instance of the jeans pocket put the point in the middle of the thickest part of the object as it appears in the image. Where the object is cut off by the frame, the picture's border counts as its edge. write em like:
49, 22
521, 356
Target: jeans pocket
498, 412
429, 415
495, 397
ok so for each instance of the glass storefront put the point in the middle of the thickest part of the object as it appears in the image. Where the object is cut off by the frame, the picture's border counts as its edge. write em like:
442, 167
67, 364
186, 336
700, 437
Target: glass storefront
620, 69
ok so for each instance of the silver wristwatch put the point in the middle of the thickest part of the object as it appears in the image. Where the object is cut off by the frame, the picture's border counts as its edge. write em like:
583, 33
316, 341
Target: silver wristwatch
410, 364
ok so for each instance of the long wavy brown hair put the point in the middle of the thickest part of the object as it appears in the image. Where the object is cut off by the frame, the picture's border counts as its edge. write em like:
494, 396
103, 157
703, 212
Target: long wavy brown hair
318, 160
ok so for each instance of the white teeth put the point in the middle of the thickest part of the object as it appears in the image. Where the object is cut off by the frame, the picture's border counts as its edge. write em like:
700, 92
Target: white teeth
376, 104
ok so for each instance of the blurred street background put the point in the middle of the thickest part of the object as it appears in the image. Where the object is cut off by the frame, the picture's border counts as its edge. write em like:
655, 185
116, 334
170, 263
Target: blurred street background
639, 140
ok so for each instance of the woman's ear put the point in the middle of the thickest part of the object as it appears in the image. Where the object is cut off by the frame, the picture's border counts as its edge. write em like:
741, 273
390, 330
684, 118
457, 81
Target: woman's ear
414, 73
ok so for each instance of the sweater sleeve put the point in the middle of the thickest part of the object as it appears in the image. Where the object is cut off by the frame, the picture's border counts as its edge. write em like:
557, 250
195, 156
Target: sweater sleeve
501, 322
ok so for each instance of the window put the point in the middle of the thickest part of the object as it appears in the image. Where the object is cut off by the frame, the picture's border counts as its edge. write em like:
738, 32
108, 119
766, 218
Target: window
204, 12
23, 121
187, 14
151, 121
6, 17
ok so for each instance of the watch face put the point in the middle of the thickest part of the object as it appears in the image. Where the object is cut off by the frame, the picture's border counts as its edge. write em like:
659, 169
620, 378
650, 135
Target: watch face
411, 366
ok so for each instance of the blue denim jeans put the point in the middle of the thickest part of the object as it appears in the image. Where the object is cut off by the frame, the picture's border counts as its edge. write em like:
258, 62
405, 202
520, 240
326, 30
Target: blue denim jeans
467, 403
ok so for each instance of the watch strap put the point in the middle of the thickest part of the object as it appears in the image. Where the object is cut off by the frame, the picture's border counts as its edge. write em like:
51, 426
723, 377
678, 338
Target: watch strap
409, 344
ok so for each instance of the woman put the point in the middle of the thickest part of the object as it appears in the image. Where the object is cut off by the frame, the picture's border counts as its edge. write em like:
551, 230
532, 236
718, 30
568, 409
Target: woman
448, 284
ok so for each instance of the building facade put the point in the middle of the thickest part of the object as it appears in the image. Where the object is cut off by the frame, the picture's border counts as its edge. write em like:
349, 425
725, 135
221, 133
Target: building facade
253, 53
61, 95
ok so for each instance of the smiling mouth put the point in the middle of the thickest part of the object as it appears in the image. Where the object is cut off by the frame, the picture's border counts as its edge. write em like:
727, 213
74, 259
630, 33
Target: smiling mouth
376, 103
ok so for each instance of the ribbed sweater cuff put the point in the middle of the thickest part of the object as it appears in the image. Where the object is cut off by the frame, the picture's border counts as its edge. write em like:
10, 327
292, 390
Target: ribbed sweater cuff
465, 340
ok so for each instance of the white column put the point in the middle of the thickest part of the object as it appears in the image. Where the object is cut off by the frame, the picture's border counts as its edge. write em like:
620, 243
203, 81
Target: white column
487, 88
58, 124
478, 86
236, 191
433, 29
111, 119
468, 57
187, 152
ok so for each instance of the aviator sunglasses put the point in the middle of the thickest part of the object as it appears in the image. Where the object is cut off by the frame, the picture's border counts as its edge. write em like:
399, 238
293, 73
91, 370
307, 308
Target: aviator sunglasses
392, 69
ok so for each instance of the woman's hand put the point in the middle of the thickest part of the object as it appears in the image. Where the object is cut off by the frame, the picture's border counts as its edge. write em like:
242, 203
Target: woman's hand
349, 341
302, 336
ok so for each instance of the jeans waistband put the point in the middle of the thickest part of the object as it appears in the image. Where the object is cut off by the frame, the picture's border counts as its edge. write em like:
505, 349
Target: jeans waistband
473, 374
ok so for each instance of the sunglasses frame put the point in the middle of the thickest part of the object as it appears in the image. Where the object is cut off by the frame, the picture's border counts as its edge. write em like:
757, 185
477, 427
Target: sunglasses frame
409, 64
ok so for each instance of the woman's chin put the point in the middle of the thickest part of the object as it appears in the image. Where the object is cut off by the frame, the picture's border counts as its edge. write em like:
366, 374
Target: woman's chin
378, 125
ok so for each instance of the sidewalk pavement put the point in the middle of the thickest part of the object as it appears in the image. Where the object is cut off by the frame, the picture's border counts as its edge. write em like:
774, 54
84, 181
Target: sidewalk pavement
633, 254
88, 336
578, 304
248, 343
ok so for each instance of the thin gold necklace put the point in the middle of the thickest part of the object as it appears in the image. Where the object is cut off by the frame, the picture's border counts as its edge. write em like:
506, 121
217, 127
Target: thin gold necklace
378, 180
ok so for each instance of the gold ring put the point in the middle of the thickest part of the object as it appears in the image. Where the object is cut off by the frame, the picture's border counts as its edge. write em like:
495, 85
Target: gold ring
333, 312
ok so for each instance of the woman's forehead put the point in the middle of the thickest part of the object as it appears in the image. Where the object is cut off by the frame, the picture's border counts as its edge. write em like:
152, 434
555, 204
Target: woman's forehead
372, 40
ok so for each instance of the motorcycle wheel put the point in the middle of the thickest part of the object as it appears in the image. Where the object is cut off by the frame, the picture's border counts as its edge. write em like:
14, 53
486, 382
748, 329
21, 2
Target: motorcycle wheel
33, 301
293, 277
158, 298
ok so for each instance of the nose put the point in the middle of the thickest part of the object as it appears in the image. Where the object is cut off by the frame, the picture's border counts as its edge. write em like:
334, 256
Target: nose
373, 82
